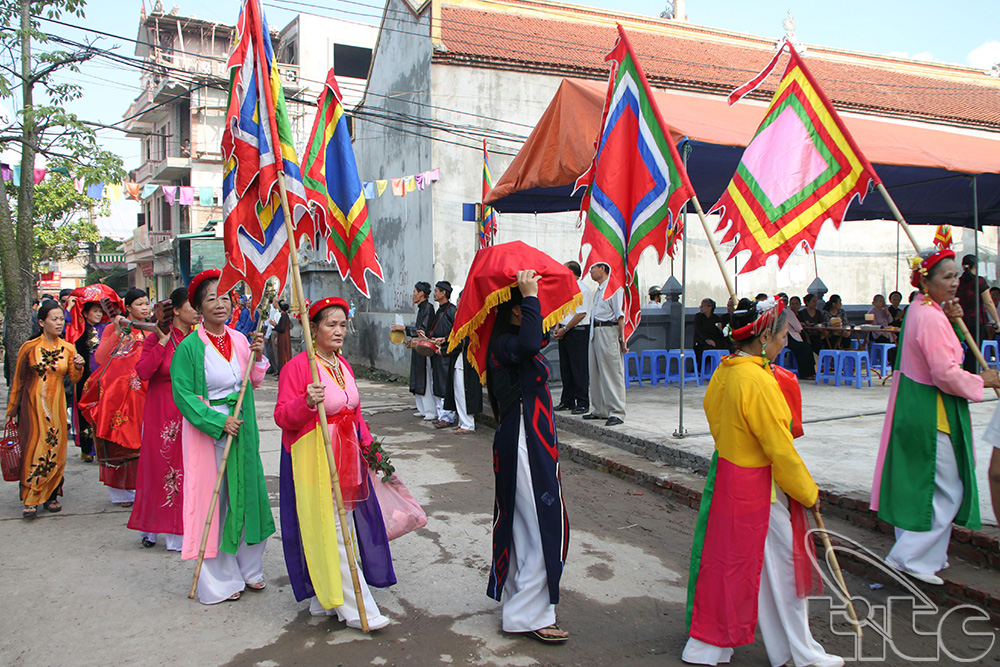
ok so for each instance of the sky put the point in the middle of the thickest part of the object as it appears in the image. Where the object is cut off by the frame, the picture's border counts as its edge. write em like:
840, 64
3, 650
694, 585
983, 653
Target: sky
965, 32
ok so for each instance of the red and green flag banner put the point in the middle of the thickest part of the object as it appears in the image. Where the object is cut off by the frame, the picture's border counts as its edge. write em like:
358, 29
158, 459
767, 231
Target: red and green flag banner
801, 169
488, 222
942, 237
335, 194
636, 184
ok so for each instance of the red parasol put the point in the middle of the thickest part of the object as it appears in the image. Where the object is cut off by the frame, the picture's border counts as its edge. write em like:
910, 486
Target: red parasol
492, 274
84, 295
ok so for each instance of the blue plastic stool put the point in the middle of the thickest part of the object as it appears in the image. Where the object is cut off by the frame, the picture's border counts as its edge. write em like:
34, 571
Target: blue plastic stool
674, 367
853, 368
826, 369
654, 358
787, 361
632, 362
991, 353
878, 357
710, 360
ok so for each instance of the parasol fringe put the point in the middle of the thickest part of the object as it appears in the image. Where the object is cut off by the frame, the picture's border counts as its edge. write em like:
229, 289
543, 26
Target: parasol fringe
493, 299
550, 321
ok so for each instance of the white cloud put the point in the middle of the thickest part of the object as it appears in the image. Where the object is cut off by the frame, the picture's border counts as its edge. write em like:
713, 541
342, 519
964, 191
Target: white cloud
985, 55
926, 56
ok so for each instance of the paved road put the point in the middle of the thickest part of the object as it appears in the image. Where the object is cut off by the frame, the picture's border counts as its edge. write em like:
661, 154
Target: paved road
78, 589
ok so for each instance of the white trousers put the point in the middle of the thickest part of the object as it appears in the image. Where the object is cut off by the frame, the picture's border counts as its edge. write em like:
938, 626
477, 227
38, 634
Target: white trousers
526, 590
174, 542
349, 610
927, 552
228, 574
782, 617
465, 420
426, 403
119, 496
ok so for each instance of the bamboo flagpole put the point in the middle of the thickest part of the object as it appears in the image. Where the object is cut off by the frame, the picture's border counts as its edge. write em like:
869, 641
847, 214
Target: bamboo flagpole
831, 554
222, 465
299, 297
966, 334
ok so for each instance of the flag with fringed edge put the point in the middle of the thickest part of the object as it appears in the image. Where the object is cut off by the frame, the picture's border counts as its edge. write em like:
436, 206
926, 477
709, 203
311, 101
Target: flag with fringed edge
488, 222
336, 195
257, 143
636, 184
801, 169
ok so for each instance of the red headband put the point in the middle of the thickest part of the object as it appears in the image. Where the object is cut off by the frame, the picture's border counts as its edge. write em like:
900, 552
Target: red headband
332, 301
922, 267
207, 274
763, 320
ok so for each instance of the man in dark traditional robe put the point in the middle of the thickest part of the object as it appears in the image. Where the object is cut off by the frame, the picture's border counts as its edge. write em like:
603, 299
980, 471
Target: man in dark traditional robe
420, 378
441, 364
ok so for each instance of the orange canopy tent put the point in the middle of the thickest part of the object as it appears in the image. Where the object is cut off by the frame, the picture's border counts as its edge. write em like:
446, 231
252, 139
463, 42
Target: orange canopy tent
925, 168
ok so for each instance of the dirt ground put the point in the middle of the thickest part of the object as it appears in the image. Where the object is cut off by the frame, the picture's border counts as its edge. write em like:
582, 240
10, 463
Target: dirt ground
78, 589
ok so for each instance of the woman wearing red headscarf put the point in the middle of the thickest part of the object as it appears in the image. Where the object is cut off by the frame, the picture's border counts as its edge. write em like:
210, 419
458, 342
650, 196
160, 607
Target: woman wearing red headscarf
113, 399
318, 569
925, 474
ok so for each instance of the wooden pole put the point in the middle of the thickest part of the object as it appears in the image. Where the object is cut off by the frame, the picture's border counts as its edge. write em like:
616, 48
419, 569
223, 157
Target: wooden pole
816, 515
973, 347
835, 566
299, 297
222, 469
717, 250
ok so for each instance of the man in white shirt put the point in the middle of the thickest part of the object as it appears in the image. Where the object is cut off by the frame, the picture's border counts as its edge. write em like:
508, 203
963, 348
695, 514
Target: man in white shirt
272, 320
655, 299
607, 347
573, 334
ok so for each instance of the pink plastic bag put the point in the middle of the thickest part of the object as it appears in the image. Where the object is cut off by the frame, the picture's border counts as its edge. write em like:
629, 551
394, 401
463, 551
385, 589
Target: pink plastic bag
400, 512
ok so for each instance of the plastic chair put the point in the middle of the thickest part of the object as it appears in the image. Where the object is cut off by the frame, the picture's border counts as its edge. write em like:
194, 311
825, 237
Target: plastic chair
674, 367
653, 357
632, 362
826, 369
991, 353
878, 357
853, 368
710, 360
787, 361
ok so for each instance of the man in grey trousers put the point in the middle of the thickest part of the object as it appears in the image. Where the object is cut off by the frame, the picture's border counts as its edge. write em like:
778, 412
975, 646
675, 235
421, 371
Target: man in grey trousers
607, 347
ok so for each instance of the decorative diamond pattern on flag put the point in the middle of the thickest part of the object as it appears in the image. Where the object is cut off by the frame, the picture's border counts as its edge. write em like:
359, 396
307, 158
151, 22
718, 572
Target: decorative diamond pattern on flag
636, 184
801, 169
256, 145
335, 193
488, 224
942, 237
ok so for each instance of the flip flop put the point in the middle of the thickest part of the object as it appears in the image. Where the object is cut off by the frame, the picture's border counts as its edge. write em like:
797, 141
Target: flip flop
126, 504
463, 431
234, 597
547, 639
52, 506
29, 513
259, 586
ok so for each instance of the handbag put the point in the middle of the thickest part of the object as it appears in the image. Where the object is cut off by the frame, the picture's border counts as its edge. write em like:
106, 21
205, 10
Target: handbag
10, 453
400, 512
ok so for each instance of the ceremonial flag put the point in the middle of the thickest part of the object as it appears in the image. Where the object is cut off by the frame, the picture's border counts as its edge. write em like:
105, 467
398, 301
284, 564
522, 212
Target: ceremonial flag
636, 184
801, 169
334, 191
488, 223
942, 237
256, 145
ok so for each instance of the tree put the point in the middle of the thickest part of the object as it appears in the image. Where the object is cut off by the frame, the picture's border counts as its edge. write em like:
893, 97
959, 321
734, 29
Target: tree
42, 127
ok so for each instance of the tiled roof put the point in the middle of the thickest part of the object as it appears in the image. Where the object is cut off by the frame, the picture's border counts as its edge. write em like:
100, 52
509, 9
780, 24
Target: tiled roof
539, 37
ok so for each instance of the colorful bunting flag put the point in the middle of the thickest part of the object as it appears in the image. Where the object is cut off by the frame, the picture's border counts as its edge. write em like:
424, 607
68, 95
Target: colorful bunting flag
334, 189
148, 190
170, 194
256, 145
381, 185
187, 195
398, 188
636, 185
801, 169
113, 191
94, 191
133, 190
206, 195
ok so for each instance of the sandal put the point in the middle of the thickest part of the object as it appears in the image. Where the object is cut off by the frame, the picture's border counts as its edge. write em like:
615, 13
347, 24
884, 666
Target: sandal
52, 506
148, 543
234, 597
550, 634
463, 431
29, 512
259, 586
125, 504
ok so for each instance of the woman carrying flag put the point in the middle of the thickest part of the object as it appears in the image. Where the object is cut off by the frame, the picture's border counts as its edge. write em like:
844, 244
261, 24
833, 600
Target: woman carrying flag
207, 374
925, 473
746, 562
317, 567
